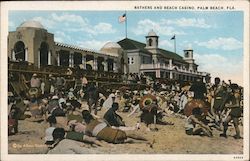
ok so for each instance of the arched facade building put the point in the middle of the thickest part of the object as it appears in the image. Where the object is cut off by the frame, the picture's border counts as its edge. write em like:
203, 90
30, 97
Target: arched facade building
32, 43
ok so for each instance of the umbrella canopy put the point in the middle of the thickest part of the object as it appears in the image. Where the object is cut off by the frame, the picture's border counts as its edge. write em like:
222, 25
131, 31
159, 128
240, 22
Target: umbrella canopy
146, 100
195, 103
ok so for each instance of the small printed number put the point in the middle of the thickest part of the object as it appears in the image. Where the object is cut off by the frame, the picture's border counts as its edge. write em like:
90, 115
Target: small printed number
238, 157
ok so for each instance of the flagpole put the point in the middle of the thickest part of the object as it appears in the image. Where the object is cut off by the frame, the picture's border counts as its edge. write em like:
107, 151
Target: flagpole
126, 24
175, 44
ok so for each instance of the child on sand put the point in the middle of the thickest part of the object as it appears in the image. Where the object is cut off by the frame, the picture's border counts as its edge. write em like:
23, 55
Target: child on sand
195, 126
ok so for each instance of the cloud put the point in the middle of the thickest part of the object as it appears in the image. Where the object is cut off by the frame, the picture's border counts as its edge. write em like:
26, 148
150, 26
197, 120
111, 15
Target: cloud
62, 37
46, 22
222, 43
92, 44
104, 28
219, 66
75, 23
168, 26
144, 26
166, 44
188, 22
78, 23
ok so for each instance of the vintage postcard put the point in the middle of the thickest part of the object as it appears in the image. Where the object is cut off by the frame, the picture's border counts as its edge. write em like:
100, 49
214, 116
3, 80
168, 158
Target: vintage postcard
125, 80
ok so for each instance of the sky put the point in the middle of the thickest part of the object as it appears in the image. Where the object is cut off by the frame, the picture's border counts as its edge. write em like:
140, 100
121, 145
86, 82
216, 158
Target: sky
215, 37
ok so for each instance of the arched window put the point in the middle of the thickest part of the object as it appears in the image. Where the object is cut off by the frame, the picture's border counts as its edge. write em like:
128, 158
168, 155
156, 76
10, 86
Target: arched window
150, 42
19, 49
44, 52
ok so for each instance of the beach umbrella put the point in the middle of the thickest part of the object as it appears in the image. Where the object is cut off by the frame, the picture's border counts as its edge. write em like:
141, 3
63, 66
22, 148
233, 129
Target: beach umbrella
196, 103
146, 100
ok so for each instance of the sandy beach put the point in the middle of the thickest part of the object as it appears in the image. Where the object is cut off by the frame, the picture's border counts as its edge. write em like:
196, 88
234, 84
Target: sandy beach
169, 139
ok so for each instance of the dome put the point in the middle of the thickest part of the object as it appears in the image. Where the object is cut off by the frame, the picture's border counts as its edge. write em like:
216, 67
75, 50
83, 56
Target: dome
31, 24
110, 45
112, 48
152, 33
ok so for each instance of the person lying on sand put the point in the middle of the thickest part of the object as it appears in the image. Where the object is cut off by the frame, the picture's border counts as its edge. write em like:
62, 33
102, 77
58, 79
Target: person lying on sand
102, 131
55, 135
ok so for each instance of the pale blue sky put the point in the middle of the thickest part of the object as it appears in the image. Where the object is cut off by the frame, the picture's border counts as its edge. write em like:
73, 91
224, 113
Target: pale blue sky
215, 37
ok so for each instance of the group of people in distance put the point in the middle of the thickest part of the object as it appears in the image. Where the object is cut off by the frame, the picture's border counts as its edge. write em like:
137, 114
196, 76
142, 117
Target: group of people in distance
73, 113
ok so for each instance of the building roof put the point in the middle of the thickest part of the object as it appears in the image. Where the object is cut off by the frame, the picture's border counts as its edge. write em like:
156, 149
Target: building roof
171, 55
129, 44
152, 33
31, 24
80, 48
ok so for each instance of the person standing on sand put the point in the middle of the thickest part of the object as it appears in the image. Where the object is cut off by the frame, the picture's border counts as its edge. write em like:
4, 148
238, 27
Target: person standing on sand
199, 89
92, 97
235, 113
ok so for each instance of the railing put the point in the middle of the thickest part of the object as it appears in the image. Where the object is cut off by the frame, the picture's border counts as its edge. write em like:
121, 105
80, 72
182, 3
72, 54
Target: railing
63, 71
167, 67
155, 66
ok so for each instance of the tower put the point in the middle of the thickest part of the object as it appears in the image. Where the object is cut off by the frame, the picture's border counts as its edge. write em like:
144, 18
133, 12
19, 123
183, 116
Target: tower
152, 40
188, 57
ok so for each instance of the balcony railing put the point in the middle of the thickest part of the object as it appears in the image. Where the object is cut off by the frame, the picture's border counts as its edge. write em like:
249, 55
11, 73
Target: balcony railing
168, 67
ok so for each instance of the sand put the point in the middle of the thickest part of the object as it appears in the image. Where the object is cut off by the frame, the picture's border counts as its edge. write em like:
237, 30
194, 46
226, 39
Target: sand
169, 139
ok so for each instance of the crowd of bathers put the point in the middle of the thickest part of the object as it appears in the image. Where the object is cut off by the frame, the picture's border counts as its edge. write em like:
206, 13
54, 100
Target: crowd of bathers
74, 113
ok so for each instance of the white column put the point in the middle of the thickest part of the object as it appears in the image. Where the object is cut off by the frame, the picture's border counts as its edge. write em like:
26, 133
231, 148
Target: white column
38, 58
95, 63
72, 59
158, 74
105, 64
49, 57
170, 63
58, 58
26, 54
13, 55
84, 61
171, 74
114, 66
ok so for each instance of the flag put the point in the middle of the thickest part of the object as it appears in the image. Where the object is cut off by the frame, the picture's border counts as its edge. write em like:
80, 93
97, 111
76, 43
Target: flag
173, 38
122, 18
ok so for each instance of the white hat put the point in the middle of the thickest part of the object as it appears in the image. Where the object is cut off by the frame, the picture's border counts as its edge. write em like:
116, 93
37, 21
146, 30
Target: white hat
68, 104
135, 92
61, 100
145, 92
112, 95
71, 89
162, 93
34, 75
54, 97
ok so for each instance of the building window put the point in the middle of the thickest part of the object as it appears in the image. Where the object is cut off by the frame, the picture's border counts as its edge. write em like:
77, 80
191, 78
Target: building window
150, 42
132, 60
